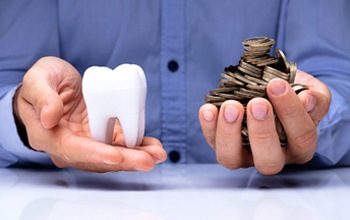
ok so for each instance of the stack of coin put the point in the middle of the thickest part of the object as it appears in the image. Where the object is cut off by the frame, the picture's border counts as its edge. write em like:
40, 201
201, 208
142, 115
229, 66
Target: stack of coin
250, 77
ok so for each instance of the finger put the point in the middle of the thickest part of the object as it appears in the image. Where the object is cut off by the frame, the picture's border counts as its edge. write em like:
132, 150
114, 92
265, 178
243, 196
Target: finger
208, 120
300, 129
312, 83
76, 149
133, 160
316, 100
315, 103
154, 148
86, 154
38, 91
98, 168
136, 160
268, 156
229, 151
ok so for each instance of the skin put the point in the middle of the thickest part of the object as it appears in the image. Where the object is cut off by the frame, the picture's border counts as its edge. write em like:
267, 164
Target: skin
51, 106
299, 114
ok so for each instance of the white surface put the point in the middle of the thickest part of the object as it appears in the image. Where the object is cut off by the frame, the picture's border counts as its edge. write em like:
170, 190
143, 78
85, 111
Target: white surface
111, 94
174, 192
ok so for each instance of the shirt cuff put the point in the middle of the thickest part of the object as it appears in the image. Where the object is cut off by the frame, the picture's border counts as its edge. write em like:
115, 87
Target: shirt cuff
10, 140
333, 144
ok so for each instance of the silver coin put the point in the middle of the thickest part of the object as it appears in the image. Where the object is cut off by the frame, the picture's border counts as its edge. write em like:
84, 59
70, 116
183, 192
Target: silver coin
283, 60
250, 77
299, 87
256, 87
268, 76
265, 62
255, 59
223, 90
212, 98
246, 71
256, 80
243, 79
276, 73
255, 40
244, 95
255, 93
293, 72
250, 67
230, 96
232, 80
261, 41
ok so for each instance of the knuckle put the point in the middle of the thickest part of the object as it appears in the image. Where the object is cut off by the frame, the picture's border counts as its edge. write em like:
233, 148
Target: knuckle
260, 136
290, 111
304, 146
306, 158
59, 163
303, 157
306, 140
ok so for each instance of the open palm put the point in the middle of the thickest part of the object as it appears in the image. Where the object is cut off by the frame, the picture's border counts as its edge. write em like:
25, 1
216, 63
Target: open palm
52, 108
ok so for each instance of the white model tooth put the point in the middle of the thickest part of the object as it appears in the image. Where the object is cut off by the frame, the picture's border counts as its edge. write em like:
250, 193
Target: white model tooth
116, 94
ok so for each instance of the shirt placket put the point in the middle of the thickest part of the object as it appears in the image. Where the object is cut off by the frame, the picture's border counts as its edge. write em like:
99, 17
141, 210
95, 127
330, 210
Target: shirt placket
173, 80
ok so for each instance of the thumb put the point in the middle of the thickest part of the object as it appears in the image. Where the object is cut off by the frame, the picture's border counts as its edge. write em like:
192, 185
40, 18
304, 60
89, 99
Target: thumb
39, 90
50, 109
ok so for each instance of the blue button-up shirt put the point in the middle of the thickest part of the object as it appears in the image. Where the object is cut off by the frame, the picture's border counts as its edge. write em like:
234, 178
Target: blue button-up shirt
182, 47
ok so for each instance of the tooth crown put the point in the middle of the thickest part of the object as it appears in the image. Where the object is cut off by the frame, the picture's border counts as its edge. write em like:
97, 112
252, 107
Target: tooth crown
116, 94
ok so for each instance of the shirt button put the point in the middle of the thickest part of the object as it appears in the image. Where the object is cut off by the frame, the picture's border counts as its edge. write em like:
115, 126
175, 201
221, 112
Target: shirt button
174, 156
173, 66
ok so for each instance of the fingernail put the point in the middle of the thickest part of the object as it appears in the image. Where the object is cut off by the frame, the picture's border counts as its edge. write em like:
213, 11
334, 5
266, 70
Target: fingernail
277, 87
208, 116
231, 113
310, 103
259, 110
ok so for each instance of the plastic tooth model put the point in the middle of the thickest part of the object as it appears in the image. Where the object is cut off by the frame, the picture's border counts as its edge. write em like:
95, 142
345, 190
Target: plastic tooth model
116, 94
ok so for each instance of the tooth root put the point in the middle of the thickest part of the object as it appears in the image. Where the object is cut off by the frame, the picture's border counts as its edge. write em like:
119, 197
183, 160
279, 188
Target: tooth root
102, 129
102, 120
133, 128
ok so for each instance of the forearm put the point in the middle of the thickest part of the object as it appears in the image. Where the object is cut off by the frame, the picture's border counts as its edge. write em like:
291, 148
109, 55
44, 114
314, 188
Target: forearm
322, 50
21, 129
12, 149
333, 144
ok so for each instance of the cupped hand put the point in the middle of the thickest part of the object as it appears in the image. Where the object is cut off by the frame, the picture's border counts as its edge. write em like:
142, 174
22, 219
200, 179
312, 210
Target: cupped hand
51, 106
299, 115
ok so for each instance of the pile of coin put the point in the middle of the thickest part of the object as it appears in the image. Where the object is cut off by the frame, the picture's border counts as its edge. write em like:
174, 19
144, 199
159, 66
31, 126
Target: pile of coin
250, 77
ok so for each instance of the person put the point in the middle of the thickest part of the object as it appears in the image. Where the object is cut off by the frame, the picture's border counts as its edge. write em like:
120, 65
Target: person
182, 46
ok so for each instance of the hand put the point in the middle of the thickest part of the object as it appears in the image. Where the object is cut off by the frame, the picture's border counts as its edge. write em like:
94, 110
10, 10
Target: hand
299, 115
51, 106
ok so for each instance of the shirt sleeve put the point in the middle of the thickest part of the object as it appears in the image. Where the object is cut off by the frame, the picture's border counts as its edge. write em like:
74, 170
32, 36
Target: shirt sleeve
315, 34
12, 150
28, 31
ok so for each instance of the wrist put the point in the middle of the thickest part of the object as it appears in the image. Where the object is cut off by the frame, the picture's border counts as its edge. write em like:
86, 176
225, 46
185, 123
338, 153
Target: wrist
21, 129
